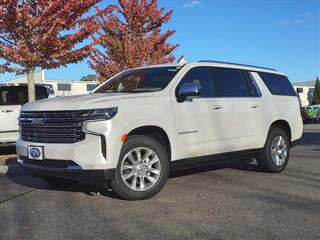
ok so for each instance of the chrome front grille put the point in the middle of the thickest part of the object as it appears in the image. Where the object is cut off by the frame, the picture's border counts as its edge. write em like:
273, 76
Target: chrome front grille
51, 127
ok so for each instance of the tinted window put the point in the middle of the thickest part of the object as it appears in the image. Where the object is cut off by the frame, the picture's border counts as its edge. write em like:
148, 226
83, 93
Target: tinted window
199, 75
253, 89
90, 87
278, 84
64, 87
228, 82
18, 95
140, 80
41, 92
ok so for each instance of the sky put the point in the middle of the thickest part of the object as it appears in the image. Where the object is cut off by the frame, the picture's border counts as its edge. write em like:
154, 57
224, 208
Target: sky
281, 34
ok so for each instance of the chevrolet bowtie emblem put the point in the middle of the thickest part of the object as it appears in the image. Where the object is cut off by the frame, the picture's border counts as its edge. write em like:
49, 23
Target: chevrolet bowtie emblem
37, 122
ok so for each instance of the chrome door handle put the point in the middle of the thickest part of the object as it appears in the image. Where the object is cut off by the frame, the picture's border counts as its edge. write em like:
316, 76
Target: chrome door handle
217, 107
254, 106
7, 111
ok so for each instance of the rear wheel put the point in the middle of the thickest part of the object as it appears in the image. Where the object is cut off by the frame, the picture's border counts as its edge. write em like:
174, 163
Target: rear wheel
142, 170
276, 152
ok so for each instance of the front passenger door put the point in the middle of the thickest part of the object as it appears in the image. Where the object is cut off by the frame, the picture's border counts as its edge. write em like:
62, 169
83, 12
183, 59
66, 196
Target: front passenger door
195, 128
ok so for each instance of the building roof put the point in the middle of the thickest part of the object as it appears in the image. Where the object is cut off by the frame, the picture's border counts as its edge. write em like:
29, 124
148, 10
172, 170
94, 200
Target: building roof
69, 81
305, 83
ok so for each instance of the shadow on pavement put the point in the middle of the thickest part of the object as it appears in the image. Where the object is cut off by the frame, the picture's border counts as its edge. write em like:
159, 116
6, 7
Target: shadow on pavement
310, 138
26, 179
245, 165
7, 150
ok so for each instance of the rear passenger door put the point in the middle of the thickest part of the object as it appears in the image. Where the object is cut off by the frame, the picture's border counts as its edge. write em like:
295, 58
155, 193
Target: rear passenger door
236, 109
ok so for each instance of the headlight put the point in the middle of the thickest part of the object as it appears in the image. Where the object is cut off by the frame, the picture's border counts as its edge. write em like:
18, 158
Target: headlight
98, 114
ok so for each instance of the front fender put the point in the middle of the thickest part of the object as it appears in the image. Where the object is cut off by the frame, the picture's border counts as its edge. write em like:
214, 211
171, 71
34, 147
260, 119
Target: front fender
169, 130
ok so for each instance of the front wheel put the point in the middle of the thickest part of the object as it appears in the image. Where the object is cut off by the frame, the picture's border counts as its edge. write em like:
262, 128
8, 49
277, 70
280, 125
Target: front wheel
275, 155
142, 170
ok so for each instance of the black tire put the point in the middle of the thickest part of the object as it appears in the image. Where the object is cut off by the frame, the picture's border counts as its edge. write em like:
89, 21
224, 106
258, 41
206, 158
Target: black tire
57, 182
264, 160
140, 141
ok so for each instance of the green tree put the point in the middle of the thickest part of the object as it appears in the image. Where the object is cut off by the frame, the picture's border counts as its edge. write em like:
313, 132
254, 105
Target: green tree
316, 93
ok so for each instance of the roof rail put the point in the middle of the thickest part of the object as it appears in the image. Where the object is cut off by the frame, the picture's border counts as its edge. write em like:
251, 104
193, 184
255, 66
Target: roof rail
239, 64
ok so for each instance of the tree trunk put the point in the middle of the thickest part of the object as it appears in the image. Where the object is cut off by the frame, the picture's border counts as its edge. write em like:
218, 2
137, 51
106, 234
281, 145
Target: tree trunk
31, 87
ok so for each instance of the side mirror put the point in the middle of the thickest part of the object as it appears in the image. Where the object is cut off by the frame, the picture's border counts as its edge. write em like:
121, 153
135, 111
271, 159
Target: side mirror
189, 90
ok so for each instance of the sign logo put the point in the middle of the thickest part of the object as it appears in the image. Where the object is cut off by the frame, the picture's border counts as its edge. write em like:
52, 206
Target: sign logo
35, 152
37, 122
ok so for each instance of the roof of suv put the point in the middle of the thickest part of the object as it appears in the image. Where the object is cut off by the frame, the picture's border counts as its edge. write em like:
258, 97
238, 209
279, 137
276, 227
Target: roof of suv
220, 64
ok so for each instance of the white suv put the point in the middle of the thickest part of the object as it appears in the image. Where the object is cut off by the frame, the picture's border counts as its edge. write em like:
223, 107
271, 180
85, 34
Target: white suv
143, 122
12, 97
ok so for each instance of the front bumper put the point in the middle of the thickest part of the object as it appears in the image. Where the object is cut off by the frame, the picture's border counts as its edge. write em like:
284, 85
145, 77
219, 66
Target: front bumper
87, 154
66, 169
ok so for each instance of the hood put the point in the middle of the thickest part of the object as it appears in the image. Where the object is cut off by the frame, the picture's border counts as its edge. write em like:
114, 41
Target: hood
80, 102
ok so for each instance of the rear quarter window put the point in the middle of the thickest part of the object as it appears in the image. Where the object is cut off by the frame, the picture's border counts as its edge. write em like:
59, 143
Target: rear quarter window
278, 84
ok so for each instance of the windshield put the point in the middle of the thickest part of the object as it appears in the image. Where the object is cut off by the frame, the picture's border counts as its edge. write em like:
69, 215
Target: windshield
140, 80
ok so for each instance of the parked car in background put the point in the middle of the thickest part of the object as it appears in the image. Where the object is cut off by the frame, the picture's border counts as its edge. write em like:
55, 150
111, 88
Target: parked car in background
12, 97
142, 123
312, 114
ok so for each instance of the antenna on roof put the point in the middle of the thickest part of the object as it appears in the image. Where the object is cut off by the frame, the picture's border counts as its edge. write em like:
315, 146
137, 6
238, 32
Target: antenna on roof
182, 61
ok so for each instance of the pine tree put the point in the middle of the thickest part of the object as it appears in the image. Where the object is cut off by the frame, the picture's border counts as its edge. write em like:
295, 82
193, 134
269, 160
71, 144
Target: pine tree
316, 92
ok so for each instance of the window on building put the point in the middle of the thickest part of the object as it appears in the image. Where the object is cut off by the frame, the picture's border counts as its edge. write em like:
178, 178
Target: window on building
64, 87
278, 84
311, 90
299, 90
90, 87
228, 82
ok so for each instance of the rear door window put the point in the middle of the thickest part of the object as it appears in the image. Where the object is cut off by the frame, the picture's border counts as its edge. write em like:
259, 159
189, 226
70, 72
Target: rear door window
228, 82
278, 84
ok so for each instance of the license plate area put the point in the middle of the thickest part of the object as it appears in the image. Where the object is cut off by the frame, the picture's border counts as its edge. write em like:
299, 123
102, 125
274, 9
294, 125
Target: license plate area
35, 152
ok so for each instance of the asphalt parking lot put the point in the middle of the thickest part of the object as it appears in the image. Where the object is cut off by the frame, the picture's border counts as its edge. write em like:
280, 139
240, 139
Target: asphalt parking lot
230, 201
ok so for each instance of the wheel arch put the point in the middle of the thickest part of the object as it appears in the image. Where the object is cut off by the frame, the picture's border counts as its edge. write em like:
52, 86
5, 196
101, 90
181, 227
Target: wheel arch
157, 133
284, 125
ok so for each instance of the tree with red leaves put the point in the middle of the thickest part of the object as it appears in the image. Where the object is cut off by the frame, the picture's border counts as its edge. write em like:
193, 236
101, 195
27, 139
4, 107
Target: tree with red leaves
130, 36
44, 34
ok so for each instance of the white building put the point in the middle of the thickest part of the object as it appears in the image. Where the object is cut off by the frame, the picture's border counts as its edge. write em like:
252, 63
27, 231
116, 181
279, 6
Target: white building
305, 91
61, 87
